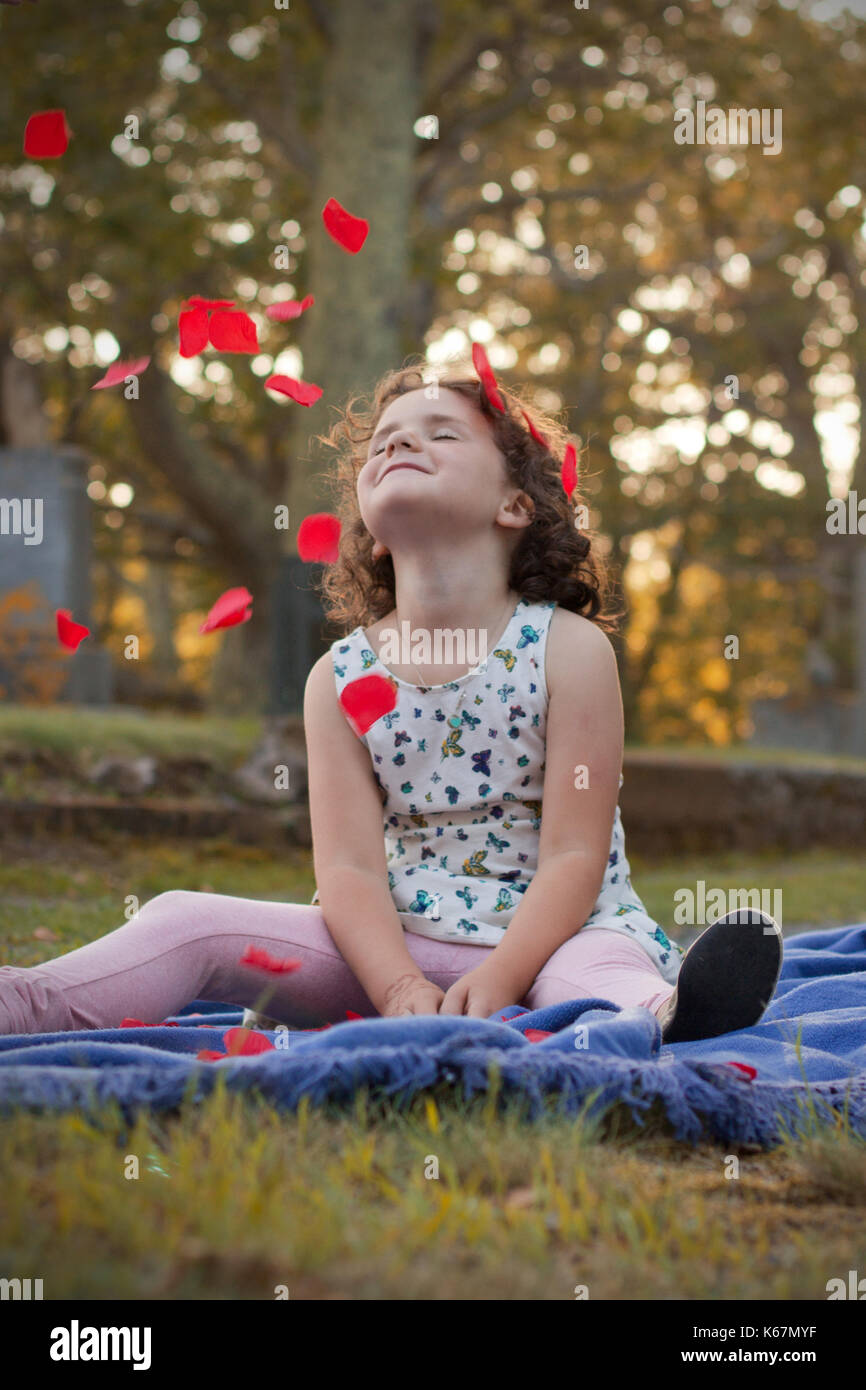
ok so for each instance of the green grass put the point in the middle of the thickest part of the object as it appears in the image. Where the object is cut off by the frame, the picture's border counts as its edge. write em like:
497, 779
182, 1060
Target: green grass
73, 730
234, 1199
745, 752
78, 890
70, 729
819, 887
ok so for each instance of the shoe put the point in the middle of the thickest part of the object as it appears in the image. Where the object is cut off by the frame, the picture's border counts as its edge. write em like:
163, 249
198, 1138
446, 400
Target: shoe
727, 978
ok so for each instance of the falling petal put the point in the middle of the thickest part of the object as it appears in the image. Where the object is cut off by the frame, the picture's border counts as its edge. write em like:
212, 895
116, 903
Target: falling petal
232, 331
71, 634
119, 371
488, 380
260, 959
200, 303
536, 1034
366, 699
532, 430
230, 609
319, 538
569, 469
289, 308
206, 1056
46, 135
193, 328
304, 392
348, 231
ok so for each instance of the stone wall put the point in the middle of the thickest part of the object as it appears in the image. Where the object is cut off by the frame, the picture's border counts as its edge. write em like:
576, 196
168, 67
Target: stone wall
674, 804
49, 483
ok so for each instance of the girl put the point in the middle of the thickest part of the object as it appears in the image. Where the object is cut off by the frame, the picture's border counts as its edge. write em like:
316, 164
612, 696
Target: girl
454, 519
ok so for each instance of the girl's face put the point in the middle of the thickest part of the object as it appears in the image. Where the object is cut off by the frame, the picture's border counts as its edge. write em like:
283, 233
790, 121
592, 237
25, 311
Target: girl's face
431, 465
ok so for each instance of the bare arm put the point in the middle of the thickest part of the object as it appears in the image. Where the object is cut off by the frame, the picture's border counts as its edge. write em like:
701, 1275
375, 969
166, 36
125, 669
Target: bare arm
349, 846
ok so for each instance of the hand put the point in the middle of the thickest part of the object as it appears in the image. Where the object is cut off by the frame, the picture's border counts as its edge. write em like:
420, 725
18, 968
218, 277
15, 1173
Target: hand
411, 994
482, 992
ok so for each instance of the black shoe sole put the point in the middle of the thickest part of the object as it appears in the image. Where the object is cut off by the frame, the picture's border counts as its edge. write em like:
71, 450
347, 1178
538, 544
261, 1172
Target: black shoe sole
727, 978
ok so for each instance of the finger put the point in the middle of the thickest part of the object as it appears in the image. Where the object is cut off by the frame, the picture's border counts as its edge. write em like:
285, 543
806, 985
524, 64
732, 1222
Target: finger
479, 1008
451, 1004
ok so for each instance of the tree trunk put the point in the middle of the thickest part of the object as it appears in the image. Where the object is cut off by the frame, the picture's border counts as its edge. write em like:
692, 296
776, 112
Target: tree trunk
239, 675
23, 424
366, 156
157, 591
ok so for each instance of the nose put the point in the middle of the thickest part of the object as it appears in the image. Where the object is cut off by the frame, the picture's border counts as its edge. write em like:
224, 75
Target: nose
400, 439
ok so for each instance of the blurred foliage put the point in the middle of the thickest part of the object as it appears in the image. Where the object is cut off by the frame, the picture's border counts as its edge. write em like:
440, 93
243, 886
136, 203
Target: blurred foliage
30, 657
555, 131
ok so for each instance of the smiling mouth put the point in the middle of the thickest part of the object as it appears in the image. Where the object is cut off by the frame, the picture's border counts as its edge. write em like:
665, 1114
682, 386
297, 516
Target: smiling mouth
393, 466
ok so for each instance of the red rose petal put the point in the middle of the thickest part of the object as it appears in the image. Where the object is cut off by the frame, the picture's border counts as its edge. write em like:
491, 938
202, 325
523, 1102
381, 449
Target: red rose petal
750, 1072
245, 1042
132, 1023
119, 371
230, 609
350, 1015
304, 392
260, 959
46, 135
206, 1056
532, 430
71, 634
319, 538
288, 308
348, 231
193, 328
197, 300
569, 469
366, 699
232, 331
488, 380
536, 1034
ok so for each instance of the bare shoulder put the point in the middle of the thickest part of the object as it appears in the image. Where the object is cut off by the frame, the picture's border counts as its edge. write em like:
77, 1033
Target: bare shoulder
576, 647
320, 693
329, 737
321, 674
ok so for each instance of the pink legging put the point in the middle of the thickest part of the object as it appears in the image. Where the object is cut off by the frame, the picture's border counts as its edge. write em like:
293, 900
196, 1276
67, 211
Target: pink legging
187, 945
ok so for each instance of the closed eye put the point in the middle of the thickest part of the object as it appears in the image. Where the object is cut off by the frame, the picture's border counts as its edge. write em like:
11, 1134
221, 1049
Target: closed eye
440, 434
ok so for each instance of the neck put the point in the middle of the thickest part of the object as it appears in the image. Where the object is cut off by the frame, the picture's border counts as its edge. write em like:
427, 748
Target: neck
451, 592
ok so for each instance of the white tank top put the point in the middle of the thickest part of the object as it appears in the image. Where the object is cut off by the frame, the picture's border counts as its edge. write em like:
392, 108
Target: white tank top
462, 806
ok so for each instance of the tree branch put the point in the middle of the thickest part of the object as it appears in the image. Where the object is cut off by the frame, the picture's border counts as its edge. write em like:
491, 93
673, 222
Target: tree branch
223, 503
547, 196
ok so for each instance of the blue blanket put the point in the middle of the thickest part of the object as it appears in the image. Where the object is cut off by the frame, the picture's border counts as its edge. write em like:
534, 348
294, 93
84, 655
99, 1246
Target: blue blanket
802, 1066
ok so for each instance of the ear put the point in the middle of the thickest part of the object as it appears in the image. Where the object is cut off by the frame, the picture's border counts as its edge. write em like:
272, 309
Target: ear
521, 511
379, 550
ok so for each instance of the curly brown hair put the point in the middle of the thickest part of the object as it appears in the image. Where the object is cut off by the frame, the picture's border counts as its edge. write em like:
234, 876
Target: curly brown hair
551, 560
